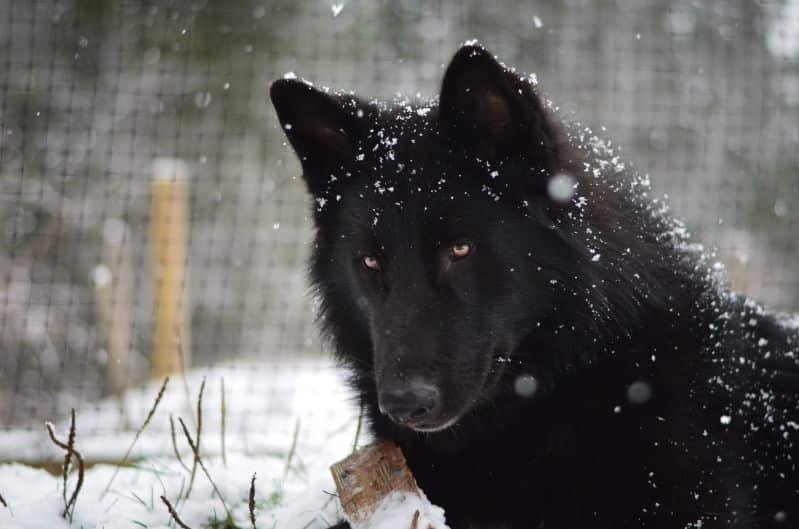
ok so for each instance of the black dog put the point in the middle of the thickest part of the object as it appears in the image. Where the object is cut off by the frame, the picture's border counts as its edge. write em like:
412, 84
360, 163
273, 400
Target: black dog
528, 323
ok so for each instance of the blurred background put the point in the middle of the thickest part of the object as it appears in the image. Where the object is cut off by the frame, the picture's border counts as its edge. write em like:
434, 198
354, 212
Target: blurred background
149, 204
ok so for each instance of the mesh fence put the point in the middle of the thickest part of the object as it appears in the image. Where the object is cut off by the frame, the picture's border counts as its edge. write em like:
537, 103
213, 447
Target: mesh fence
102, 101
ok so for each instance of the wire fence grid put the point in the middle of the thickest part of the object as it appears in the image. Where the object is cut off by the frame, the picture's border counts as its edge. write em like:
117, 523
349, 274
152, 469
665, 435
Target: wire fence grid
99, 101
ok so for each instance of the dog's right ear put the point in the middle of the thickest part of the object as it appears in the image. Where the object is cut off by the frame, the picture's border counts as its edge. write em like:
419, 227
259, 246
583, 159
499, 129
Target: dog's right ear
491, 111
322, 128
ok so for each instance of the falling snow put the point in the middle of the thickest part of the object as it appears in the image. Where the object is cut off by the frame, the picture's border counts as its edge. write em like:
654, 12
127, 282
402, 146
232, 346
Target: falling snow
525, 385
561, 187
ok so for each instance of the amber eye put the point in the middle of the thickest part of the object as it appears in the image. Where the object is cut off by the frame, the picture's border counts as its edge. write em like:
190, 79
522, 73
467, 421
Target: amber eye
371, 263
460, 250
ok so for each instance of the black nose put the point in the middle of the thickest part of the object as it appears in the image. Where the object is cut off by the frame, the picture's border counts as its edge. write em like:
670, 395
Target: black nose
409, 403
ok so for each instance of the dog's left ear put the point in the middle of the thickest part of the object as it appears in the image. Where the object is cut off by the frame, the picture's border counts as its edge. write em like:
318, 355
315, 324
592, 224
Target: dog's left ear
323, 129
491, 110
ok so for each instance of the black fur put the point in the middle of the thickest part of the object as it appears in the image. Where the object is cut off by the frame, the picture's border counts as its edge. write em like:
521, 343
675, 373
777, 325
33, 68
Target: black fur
662, 399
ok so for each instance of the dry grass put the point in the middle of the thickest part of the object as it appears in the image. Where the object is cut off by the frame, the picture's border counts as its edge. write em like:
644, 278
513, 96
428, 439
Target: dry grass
173, 513
251, 502
136, 437
175, 444
73, 458
197, 439
222, 427
292, 450
358, 428
199, 461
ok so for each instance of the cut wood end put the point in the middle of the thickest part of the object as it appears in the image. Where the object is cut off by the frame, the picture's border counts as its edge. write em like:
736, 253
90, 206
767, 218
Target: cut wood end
367, 476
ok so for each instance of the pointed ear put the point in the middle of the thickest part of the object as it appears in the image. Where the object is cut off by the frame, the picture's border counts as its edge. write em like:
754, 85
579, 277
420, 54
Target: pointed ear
491, 110
322, 128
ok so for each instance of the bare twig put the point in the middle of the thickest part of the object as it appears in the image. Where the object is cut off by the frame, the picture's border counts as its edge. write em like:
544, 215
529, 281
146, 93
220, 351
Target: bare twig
136, 437
251, 503
174, 514
222, 431
69, 505
68, 455
292, 450
175, 445
3, 500
198, 459
415, 521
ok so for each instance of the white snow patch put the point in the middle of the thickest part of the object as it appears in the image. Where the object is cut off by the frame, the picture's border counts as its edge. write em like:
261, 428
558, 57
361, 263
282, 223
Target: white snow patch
396, 511
260, 427
782, 35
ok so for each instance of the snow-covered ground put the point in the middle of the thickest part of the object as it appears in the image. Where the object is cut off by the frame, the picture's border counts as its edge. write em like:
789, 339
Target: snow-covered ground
265, 405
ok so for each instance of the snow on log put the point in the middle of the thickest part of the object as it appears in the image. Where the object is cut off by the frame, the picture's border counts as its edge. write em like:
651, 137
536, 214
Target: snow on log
378, 491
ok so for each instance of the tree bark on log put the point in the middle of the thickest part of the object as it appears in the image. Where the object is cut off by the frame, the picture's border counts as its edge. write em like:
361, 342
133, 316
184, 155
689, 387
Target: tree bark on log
367, 476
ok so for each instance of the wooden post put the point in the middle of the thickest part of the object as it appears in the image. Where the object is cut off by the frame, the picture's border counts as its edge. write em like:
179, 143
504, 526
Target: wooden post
168, 231
113, 284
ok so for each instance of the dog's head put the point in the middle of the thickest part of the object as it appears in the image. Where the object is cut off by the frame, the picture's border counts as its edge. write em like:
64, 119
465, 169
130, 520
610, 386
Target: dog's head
436, 253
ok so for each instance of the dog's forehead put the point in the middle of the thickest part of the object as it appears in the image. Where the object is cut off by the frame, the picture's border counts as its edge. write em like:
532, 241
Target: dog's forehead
406, 182
399, 155
400, 139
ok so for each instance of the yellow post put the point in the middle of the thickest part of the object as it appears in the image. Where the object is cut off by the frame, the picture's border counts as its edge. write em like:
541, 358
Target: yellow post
168, 230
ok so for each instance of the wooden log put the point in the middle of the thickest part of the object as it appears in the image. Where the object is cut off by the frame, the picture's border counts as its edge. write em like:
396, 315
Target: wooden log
367, 476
